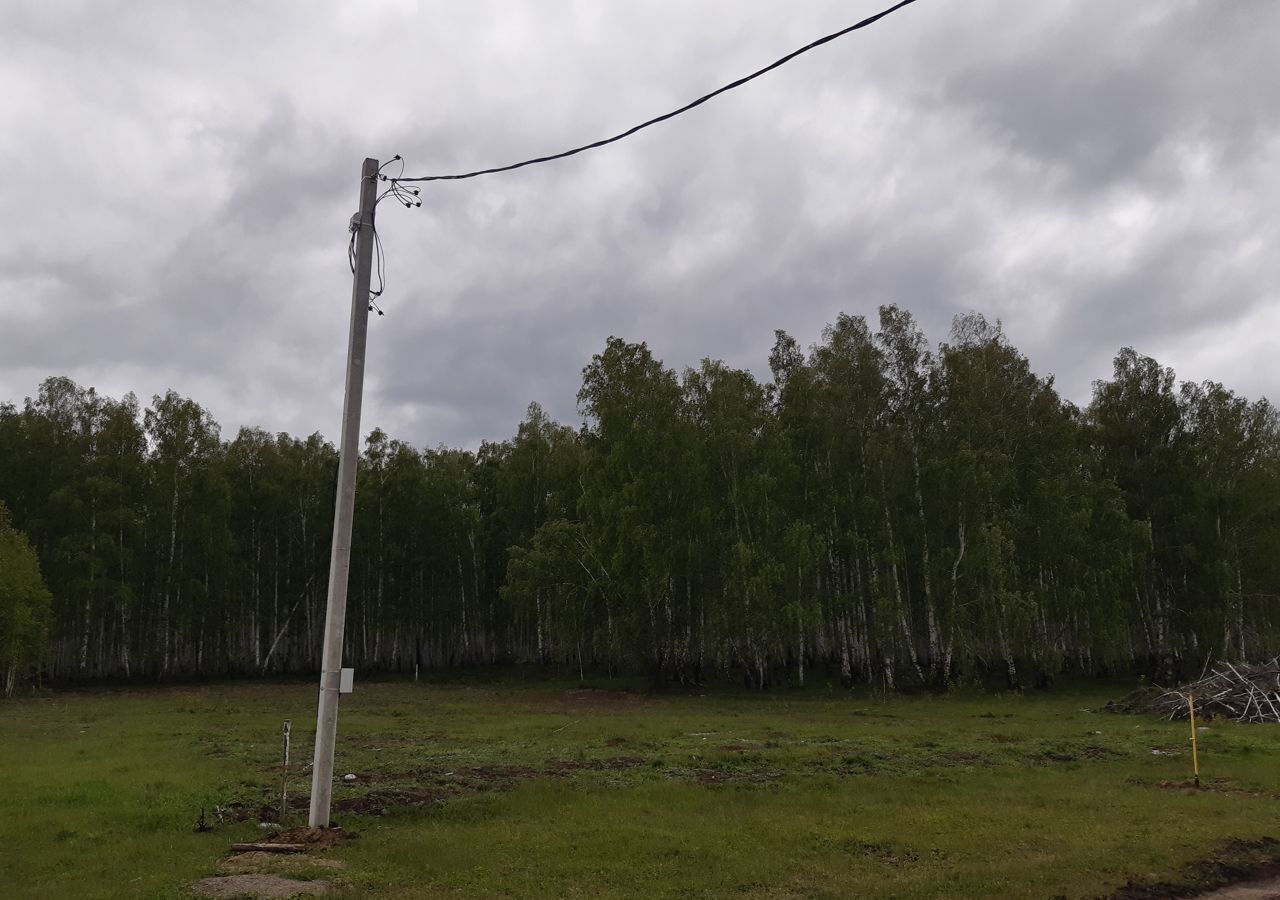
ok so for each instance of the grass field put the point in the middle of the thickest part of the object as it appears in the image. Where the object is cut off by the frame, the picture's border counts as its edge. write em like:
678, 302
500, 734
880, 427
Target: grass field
511, 789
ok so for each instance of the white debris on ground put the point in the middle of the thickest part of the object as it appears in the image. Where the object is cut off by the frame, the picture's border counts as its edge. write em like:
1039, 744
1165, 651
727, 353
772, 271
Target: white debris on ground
1241, 692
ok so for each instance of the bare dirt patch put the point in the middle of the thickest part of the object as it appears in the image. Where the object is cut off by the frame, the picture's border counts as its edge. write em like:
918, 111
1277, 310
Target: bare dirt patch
260, 873
259, 885
998, 738
435, 784
1208, 786
594, 699
1135, 702
376, 803
1055, 756
613, 763
249, 861
258, 861
314, 838
491, 775
460, 779
424, 786
1091, 752
857, 764
713, 777
958, 758
1268, 889
1238, 870
269, 812
888, 854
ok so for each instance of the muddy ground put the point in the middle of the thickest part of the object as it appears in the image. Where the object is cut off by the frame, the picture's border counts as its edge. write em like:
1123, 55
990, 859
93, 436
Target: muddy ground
1239, 870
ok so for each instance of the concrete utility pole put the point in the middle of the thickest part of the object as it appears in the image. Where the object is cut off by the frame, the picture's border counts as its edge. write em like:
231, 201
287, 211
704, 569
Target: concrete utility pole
340, 556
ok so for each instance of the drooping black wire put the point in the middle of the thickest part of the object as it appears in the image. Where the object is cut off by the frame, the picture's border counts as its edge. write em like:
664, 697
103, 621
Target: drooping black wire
381, 265
671, 115
407, 196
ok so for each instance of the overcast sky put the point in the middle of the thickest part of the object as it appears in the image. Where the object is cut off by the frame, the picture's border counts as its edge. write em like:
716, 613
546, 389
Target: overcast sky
178, 178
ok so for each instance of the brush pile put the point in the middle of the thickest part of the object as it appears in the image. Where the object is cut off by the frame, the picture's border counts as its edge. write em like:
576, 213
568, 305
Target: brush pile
1241, 692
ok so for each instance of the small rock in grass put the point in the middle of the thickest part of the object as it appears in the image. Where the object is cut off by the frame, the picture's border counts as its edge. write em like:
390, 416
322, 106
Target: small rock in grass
349, 777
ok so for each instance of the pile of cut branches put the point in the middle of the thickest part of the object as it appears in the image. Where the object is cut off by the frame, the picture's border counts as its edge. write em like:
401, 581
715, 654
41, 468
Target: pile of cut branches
1242, 692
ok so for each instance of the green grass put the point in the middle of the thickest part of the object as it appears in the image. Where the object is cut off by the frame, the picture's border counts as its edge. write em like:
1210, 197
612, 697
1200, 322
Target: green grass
513, 789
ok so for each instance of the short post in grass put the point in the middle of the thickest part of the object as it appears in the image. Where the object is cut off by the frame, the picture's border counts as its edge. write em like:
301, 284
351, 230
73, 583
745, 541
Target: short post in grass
284, 773
1195, 758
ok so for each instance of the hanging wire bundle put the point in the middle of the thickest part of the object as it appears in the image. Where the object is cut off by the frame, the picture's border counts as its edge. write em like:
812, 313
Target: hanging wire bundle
405, 195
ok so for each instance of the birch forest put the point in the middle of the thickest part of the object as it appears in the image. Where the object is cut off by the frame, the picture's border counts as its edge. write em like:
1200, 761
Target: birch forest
879, 511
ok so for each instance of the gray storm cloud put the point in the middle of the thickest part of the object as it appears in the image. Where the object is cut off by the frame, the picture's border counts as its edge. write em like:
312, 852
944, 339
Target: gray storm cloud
179, 179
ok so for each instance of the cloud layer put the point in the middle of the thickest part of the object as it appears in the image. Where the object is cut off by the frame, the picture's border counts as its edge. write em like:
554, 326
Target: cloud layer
179, 179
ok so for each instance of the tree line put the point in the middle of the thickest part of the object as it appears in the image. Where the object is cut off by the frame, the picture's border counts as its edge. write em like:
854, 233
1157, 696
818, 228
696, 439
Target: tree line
880, 511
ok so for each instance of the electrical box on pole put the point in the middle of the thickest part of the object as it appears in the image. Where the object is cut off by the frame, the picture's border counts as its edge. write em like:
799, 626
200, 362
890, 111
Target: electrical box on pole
349, 454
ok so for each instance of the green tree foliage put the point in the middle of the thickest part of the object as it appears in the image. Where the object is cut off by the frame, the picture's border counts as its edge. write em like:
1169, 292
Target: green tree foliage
879, 511
24, 606
633, 503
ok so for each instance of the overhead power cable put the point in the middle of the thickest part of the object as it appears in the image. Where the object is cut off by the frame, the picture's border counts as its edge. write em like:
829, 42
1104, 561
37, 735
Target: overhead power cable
409, 197
671, 115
